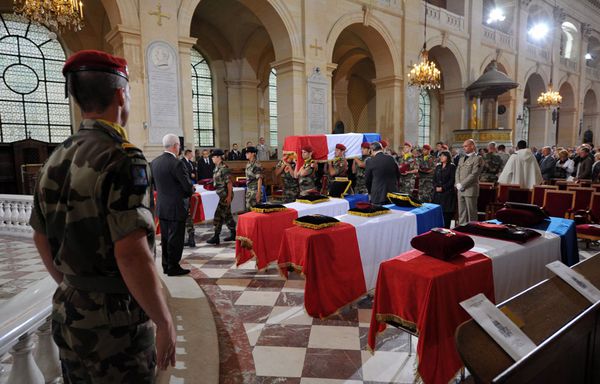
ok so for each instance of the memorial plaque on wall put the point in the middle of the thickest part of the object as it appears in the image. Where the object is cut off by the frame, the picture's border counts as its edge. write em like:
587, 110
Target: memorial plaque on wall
317, 103
163, 91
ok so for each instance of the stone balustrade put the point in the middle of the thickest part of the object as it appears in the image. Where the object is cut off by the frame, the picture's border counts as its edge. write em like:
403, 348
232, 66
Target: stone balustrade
443, 18
592, 73
25, 333
497, 38
568, 65
536, 52
14, 214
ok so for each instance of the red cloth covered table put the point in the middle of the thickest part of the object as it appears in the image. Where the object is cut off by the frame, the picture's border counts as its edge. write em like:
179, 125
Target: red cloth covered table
196, 210
259, 235
423, 294
330, 261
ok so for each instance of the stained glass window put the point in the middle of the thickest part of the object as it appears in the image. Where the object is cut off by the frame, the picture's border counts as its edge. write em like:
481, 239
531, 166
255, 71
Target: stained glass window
273, 108
32, 87
202, 99
424, 124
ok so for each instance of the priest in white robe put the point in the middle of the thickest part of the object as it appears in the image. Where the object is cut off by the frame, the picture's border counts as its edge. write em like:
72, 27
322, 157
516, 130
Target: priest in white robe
521, 168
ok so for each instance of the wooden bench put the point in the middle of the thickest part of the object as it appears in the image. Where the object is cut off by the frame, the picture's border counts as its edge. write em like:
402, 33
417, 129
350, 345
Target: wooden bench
561, 322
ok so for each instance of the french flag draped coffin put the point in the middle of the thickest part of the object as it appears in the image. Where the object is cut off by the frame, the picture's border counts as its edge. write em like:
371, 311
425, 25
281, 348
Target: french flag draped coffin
324, 145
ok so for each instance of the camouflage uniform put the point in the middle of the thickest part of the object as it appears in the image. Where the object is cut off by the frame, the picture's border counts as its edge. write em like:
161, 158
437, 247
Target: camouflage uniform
407, 182
426, 163
492, 165
92, 192
307, 182
222, 177
361, 186
340, 165
253, 173
290, 183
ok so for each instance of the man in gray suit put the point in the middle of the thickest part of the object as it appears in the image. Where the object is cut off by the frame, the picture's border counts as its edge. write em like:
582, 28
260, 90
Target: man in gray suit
467, 182
381, 174
547, 164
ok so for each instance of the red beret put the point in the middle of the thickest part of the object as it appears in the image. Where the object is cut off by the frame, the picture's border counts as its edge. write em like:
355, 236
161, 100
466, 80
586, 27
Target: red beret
307, 148
427, 147
383, 143
340, 146
407, 143
98, 61
365, 145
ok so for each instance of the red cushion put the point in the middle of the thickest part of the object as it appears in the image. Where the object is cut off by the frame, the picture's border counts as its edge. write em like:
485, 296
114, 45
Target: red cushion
519, 217
209, 187
588, 229
442, 243
239, 183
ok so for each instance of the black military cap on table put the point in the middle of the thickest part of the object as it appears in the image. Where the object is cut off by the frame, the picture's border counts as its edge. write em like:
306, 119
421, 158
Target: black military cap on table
403, 200
339, 187
506, 232
316, 221
217, 152
368, 210
268, 208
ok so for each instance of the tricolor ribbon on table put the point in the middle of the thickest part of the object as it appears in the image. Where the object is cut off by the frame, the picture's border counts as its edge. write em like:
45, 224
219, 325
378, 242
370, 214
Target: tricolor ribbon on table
324, 145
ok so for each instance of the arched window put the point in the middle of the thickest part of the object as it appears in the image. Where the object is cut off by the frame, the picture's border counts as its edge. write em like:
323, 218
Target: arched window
273, 108
569, 31
32, 87
202, 99
424, 124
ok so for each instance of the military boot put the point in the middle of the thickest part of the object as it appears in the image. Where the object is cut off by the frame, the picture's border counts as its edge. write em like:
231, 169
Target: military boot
215, 239
231, 236
191, 242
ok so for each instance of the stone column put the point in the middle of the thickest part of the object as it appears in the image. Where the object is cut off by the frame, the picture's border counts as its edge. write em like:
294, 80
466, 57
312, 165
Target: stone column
329, 68
185, 90
291, 98
243, 110
388, 118
586, 31
126, 42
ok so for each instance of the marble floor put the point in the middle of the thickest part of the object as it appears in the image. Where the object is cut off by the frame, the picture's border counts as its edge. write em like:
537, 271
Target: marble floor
264, 334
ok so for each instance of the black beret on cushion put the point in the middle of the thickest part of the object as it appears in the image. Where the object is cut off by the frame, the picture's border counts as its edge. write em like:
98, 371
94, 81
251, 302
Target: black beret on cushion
316, 221
524, 215
268, 208
403, 200
312, 198
442, 244
368, 210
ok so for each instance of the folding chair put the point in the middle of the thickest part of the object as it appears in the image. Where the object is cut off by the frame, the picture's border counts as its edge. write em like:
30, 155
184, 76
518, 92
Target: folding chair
559, 203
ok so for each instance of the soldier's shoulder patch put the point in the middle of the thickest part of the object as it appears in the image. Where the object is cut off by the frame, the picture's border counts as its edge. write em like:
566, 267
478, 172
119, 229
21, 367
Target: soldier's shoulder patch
139, 175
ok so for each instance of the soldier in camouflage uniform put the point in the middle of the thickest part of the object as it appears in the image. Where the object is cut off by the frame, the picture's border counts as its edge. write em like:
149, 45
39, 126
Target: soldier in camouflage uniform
95, 233
427, 163
338, 167
358, 167
286, 168
224, 189
492, 165
408, 169
254, 178
306, 174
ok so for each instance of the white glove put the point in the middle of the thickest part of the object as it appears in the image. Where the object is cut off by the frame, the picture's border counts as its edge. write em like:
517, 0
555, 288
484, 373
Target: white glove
458, 186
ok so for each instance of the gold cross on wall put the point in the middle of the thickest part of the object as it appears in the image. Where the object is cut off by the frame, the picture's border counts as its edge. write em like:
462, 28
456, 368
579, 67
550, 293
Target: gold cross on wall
158, 13
316, 47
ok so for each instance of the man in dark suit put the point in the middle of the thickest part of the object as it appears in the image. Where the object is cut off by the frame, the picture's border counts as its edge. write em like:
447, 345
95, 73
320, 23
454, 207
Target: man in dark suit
381, 175
173, 189
205, 166
235, 154
584, 168
189, 165
547, 164
248, 145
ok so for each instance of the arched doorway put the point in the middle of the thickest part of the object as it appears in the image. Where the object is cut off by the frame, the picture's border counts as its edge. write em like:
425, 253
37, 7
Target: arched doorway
566, 125
448, 102
239, 55
590, 113
362, 57
532, 127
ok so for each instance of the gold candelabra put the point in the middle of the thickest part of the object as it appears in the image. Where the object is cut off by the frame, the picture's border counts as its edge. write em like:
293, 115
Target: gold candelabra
57, 15
550, 98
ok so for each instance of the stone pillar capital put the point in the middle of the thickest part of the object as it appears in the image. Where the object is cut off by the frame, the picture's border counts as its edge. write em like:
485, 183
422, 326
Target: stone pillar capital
290, 64
387, 82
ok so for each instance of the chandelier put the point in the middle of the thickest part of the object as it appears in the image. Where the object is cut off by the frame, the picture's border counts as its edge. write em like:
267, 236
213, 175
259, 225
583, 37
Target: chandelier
57, 15
550, 98
424, 74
